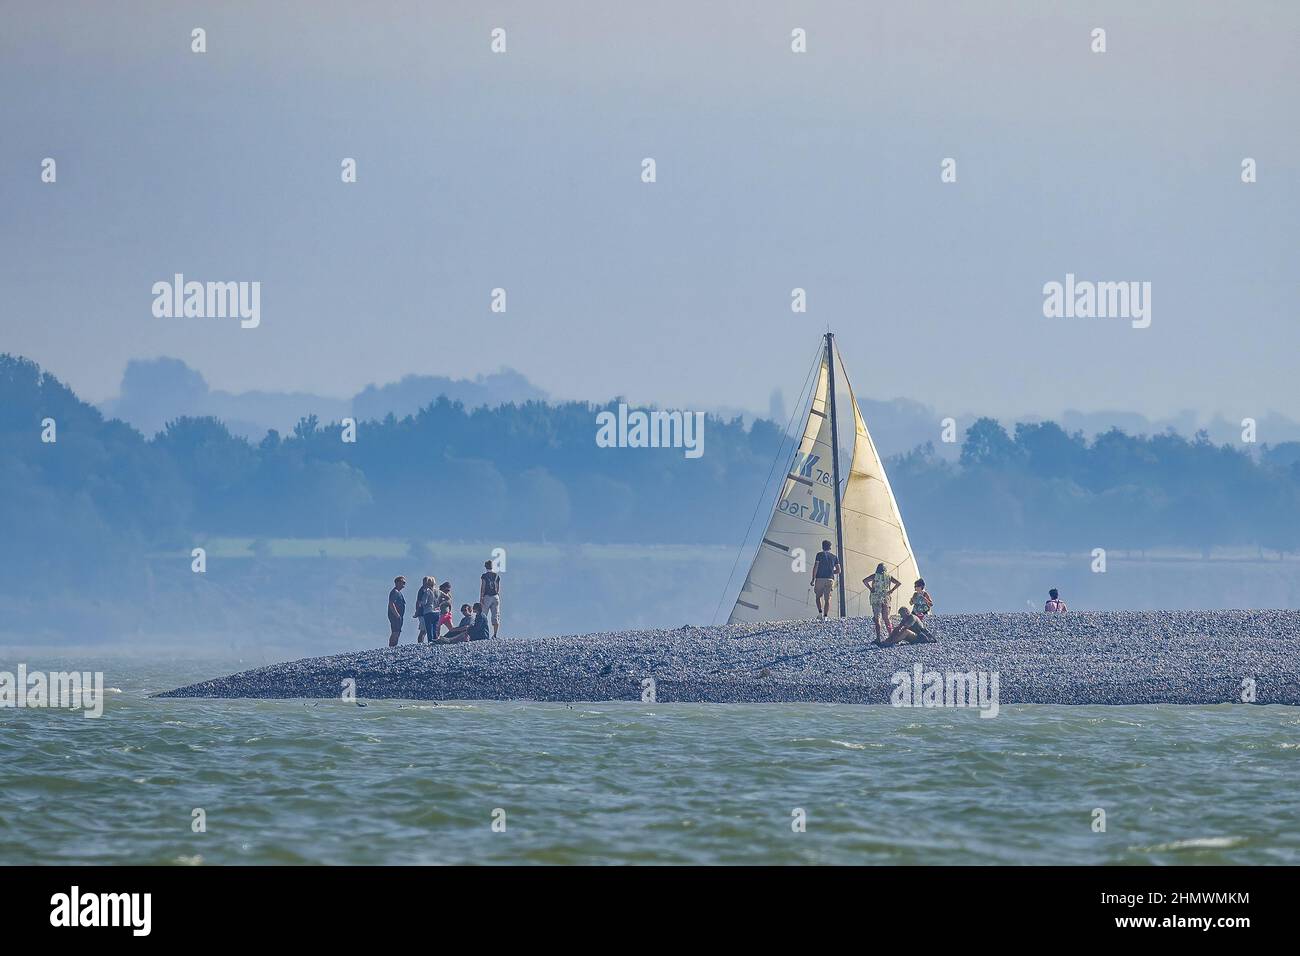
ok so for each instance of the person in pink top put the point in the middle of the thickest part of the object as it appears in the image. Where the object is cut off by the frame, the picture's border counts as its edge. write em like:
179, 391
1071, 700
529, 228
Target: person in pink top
1054, 603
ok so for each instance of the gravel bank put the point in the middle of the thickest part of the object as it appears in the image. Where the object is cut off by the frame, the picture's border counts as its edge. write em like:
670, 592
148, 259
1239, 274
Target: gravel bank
1145, 657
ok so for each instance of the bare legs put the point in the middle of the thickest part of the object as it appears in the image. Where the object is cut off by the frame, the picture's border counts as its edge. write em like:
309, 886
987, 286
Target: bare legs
878, 612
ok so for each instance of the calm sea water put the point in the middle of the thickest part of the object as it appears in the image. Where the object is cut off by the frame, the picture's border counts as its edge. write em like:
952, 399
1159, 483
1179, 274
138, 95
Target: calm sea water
406, 782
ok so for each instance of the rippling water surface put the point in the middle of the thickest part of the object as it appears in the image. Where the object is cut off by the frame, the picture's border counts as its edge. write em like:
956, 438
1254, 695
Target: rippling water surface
406, 782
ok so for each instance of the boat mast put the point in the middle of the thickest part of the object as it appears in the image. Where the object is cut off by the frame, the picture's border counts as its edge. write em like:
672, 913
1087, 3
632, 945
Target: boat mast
835, 464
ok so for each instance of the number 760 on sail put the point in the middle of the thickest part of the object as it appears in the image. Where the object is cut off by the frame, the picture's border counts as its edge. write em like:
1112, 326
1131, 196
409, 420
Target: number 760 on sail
806, 466
819, 511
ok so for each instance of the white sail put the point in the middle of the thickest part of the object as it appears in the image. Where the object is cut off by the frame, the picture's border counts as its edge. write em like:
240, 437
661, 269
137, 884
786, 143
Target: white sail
778, 586
873, 527
803, 517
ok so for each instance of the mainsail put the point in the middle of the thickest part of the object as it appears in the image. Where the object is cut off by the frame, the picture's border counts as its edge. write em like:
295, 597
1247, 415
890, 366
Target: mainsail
808, 511
803, 516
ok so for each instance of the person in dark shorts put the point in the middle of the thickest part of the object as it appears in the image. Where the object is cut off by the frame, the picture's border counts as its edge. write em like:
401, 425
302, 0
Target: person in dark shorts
396, 610
826, 566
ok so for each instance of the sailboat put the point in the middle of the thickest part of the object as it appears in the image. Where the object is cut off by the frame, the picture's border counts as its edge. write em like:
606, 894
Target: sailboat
859, 515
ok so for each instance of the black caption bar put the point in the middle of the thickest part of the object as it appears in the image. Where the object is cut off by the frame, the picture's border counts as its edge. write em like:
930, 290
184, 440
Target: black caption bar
329, 905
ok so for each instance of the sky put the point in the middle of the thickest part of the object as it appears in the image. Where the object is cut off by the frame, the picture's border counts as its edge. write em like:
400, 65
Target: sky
775, 170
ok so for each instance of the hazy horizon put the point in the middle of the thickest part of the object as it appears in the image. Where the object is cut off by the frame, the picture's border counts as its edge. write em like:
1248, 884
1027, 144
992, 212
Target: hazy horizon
154, 392
775, 171
757, 409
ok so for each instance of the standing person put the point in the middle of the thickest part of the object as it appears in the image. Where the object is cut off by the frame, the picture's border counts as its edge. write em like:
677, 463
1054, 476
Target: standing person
881, 585
922, 603
826, 566
424, 583
426, 608
443, 597
396, 610
489, 595
1054, 603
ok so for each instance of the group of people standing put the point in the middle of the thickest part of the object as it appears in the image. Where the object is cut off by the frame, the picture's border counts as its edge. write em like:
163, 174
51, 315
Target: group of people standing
880, 586
433, 603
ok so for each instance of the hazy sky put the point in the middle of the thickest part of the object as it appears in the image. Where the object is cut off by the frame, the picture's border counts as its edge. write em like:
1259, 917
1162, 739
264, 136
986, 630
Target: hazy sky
775, 170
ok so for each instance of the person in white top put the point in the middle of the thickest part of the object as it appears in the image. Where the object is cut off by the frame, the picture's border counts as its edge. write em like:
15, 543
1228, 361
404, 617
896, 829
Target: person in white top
1054, 603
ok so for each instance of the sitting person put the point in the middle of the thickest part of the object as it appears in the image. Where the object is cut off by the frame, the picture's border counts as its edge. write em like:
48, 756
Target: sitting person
461, 631
478, 631
922, 603
908, 630
1054, 603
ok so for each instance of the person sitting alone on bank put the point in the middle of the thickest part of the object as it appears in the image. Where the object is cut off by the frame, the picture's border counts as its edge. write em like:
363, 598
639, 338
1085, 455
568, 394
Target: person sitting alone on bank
1054, 603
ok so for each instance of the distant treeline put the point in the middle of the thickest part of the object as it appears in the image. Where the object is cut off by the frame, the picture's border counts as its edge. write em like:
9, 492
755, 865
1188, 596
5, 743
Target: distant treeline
103, 497
516, 472
1040, 488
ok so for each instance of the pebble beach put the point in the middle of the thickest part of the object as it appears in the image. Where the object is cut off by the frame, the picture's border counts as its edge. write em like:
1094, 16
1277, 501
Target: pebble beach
1126, 657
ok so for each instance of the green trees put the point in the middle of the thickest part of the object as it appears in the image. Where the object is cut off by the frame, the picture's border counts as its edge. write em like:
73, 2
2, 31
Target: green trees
102, 496
1044, 489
